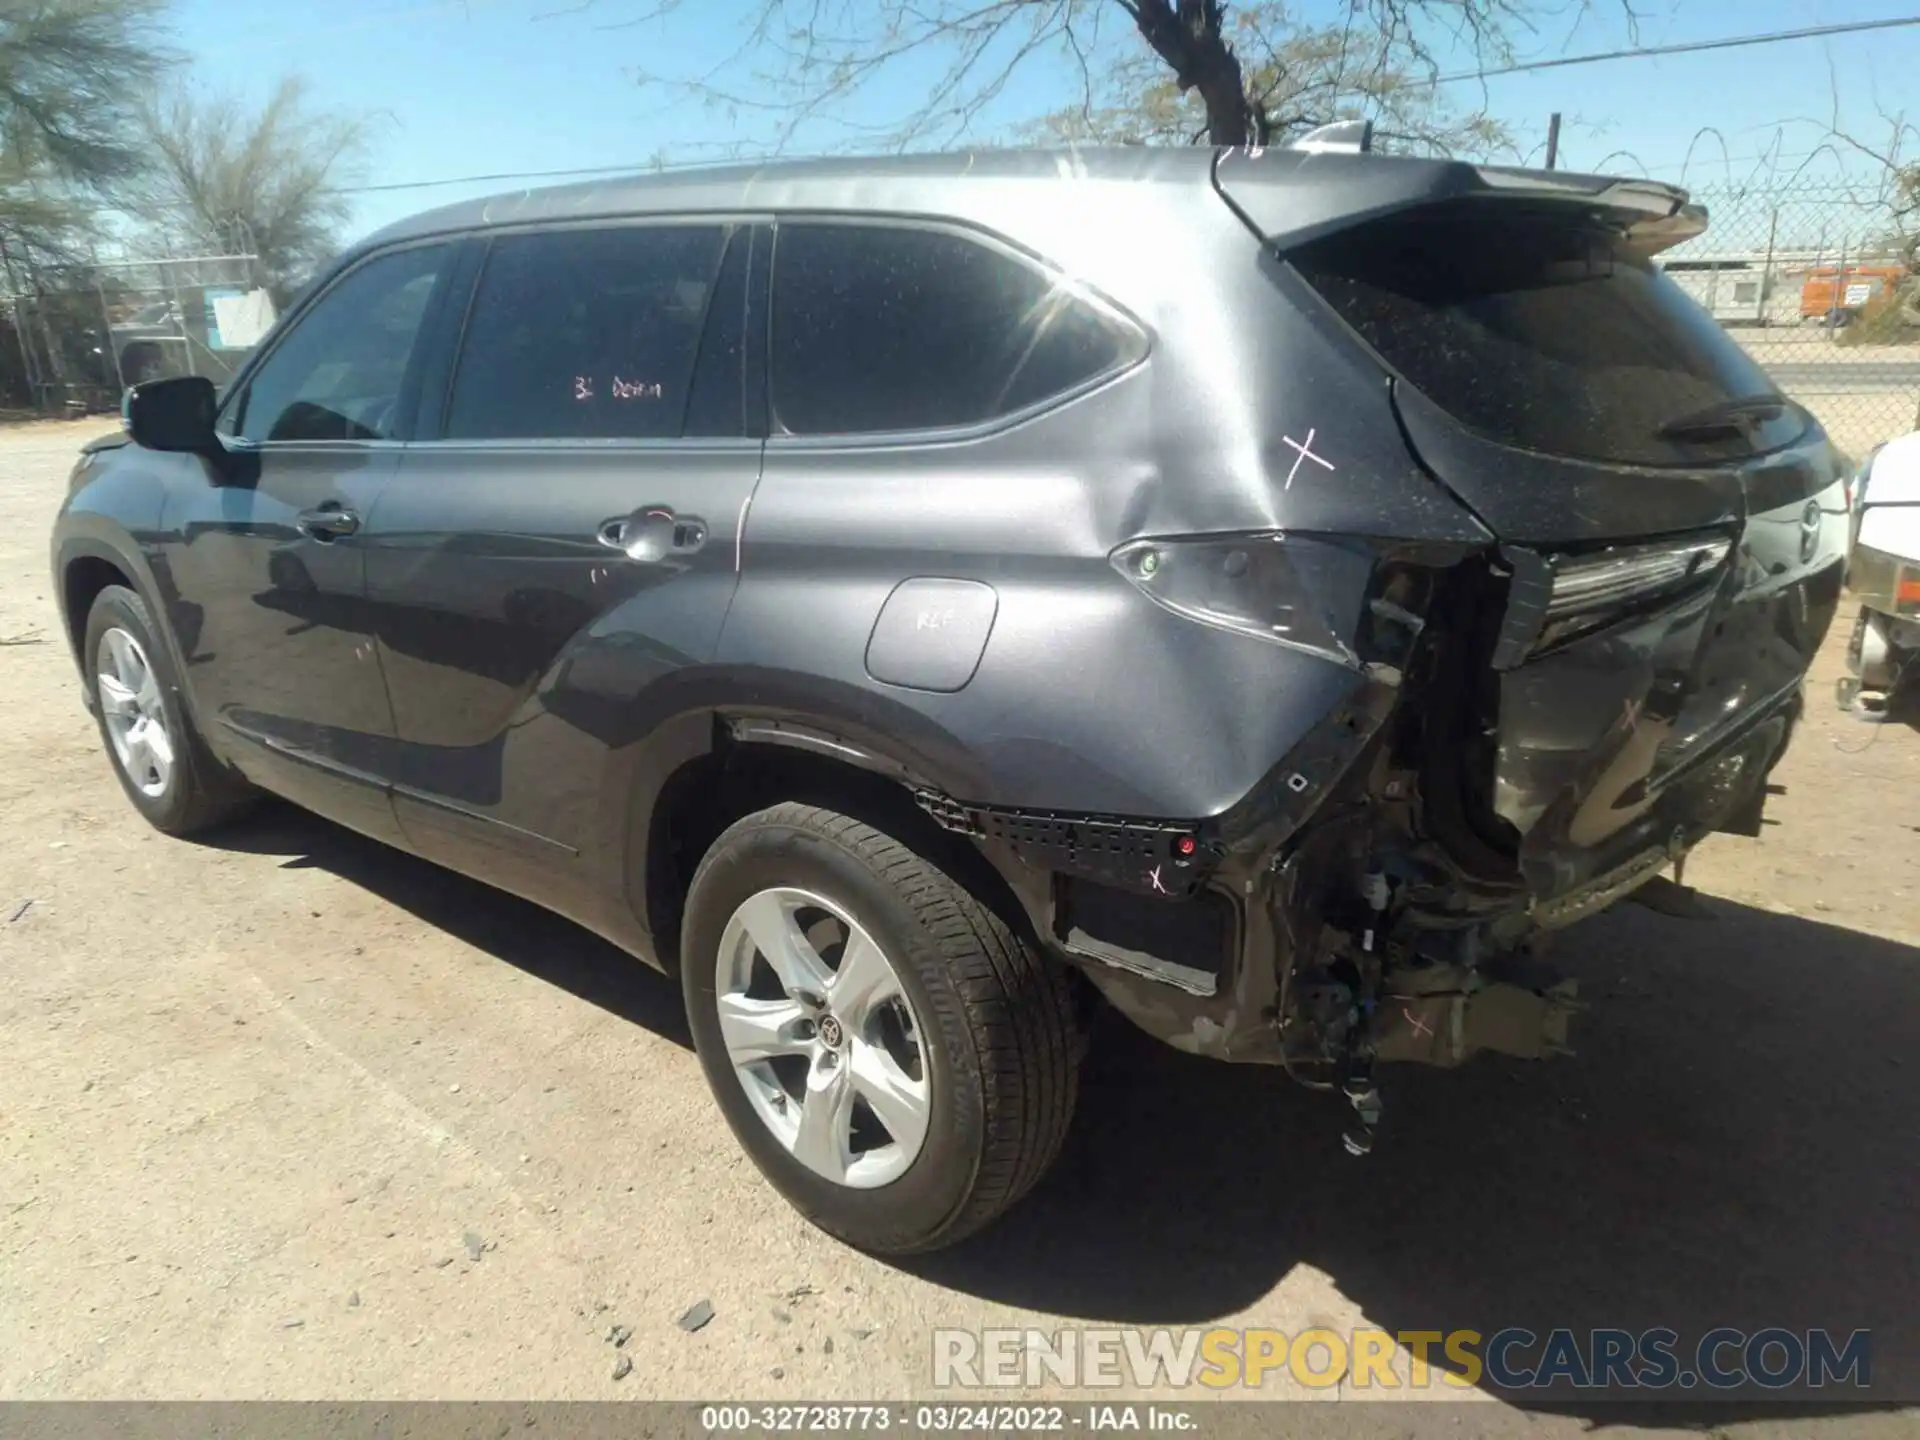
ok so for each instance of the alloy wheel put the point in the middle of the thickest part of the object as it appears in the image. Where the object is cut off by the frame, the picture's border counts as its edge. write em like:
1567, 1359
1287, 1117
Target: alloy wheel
135, 715
823, 1038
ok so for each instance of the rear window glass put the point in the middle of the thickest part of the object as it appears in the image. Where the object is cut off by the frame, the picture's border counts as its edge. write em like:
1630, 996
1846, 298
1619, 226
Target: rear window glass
1541, 334
877, 328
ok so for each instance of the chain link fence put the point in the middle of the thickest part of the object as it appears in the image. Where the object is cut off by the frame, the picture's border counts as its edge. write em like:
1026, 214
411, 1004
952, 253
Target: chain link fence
79, 336
1815, 277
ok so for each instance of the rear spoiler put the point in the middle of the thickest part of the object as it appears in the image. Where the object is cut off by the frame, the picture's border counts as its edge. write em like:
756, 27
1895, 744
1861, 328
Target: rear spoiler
1292, 196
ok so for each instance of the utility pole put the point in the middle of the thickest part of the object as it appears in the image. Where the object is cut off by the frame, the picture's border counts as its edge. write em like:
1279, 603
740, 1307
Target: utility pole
1553, 139
1763, 311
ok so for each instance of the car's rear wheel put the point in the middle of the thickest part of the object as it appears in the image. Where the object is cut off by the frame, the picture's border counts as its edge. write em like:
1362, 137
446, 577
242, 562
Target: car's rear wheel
898, 1062
163, 764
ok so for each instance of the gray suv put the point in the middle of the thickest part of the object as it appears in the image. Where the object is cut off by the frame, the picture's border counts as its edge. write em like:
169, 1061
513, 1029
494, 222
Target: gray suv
918, 601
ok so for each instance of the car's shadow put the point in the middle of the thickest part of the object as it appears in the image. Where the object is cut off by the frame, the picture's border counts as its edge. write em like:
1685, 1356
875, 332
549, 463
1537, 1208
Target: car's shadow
510, 929
1736, 1142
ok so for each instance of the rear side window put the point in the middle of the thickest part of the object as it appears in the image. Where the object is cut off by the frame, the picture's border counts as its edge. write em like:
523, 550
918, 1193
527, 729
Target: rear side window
1541, 334
591, 334
879, 328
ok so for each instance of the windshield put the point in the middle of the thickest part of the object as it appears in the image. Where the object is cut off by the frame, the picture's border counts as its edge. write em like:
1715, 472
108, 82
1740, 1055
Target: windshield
1535, 331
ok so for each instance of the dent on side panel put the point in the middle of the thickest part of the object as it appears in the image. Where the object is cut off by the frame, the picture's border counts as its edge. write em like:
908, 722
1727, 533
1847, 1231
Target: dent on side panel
1088, 696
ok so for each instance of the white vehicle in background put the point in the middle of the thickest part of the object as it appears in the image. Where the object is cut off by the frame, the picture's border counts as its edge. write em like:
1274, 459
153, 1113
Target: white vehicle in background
1883, 571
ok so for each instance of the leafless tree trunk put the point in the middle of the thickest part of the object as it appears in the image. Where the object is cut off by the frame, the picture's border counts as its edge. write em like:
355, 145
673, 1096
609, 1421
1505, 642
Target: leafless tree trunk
1188, 37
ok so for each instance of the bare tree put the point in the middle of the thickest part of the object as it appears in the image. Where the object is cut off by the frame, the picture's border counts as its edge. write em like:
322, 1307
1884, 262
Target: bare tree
1303, 78
270, 181
71, 72
1888, 185
1244, 75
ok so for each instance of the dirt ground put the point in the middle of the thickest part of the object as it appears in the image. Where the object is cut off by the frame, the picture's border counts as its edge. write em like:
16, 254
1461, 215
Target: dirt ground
286, 1114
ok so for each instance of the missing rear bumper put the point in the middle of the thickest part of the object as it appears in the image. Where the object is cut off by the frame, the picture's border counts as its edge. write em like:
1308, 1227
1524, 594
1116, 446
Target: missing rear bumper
1445, 1015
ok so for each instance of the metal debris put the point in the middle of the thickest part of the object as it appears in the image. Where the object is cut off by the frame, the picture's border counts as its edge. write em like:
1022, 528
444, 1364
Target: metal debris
698, 1314
476, 1247
25, 905
622, 1367
619, 1335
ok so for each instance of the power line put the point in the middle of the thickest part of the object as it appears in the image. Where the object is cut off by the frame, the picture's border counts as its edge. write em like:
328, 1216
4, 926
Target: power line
1685, 47
1636, 52
503, 177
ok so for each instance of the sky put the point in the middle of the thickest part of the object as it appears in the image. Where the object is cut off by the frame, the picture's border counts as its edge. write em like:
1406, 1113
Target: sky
487, 87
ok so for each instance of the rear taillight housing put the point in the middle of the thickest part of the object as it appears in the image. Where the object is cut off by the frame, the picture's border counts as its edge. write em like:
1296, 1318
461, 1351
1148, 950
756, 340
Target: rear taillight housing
1628, 574
1556, 597
1291, 590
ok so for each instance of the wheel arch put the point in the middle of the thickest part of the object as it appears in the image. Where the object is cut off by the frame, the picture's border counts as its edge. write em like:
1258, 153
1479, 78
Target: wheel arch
81, 580
91, 557
750, 762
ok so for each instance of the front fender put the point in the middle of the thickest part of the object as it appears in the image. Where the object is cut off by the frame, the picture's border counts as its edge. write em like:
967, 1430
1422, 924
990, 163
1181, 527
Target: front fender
116, 514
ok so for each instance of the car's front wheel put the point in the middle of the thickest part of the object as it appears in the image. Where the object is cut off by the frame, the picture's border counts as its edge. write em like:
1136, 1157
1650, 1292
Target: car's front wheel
163, 765
897, 1061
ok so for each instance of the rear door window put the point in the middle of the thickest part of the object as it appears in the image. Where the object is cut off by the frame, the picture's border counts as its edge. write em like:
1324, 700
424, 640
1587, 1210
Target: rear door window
885, 328
597, 334
1541, 334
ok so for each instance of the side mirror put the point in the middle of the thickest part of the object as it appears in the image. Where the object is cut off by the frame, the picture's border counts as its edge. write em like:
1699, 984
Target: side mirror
174, 414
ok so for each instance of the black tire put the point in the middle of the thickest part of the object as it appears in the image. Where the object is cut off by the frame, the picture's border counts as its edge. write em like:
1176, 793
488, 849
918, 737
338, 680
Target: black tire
997, 1018
200, 792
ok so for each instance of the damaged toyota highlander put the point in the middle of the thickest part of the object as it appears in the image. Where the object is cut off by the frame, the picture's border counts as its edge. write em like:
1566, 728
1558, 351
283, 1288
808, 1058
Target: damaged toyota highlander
918, 601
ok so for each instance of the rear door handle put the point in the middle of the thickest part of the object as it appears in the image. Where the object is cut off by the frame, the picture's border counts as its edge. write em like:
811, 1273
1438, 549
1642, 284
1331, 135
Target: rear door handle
652, 534
329, 522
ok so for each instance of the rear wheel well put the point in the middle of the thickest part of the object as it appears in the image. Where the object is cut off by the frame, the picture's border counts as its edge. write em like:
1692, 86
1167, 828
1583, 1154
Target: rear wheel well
83, 581
705, 796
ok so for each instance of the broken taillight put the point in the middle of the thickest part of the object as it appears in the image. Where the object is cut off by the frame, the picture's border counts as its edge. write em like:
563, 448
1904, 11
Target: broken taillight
1289, 590
1583, 584
1558, 596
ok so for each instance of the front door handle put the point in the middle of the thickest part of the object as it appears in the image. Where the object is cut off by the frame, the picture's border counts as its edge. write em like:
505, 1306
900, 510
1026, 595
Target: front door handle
652, 534
329, 522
